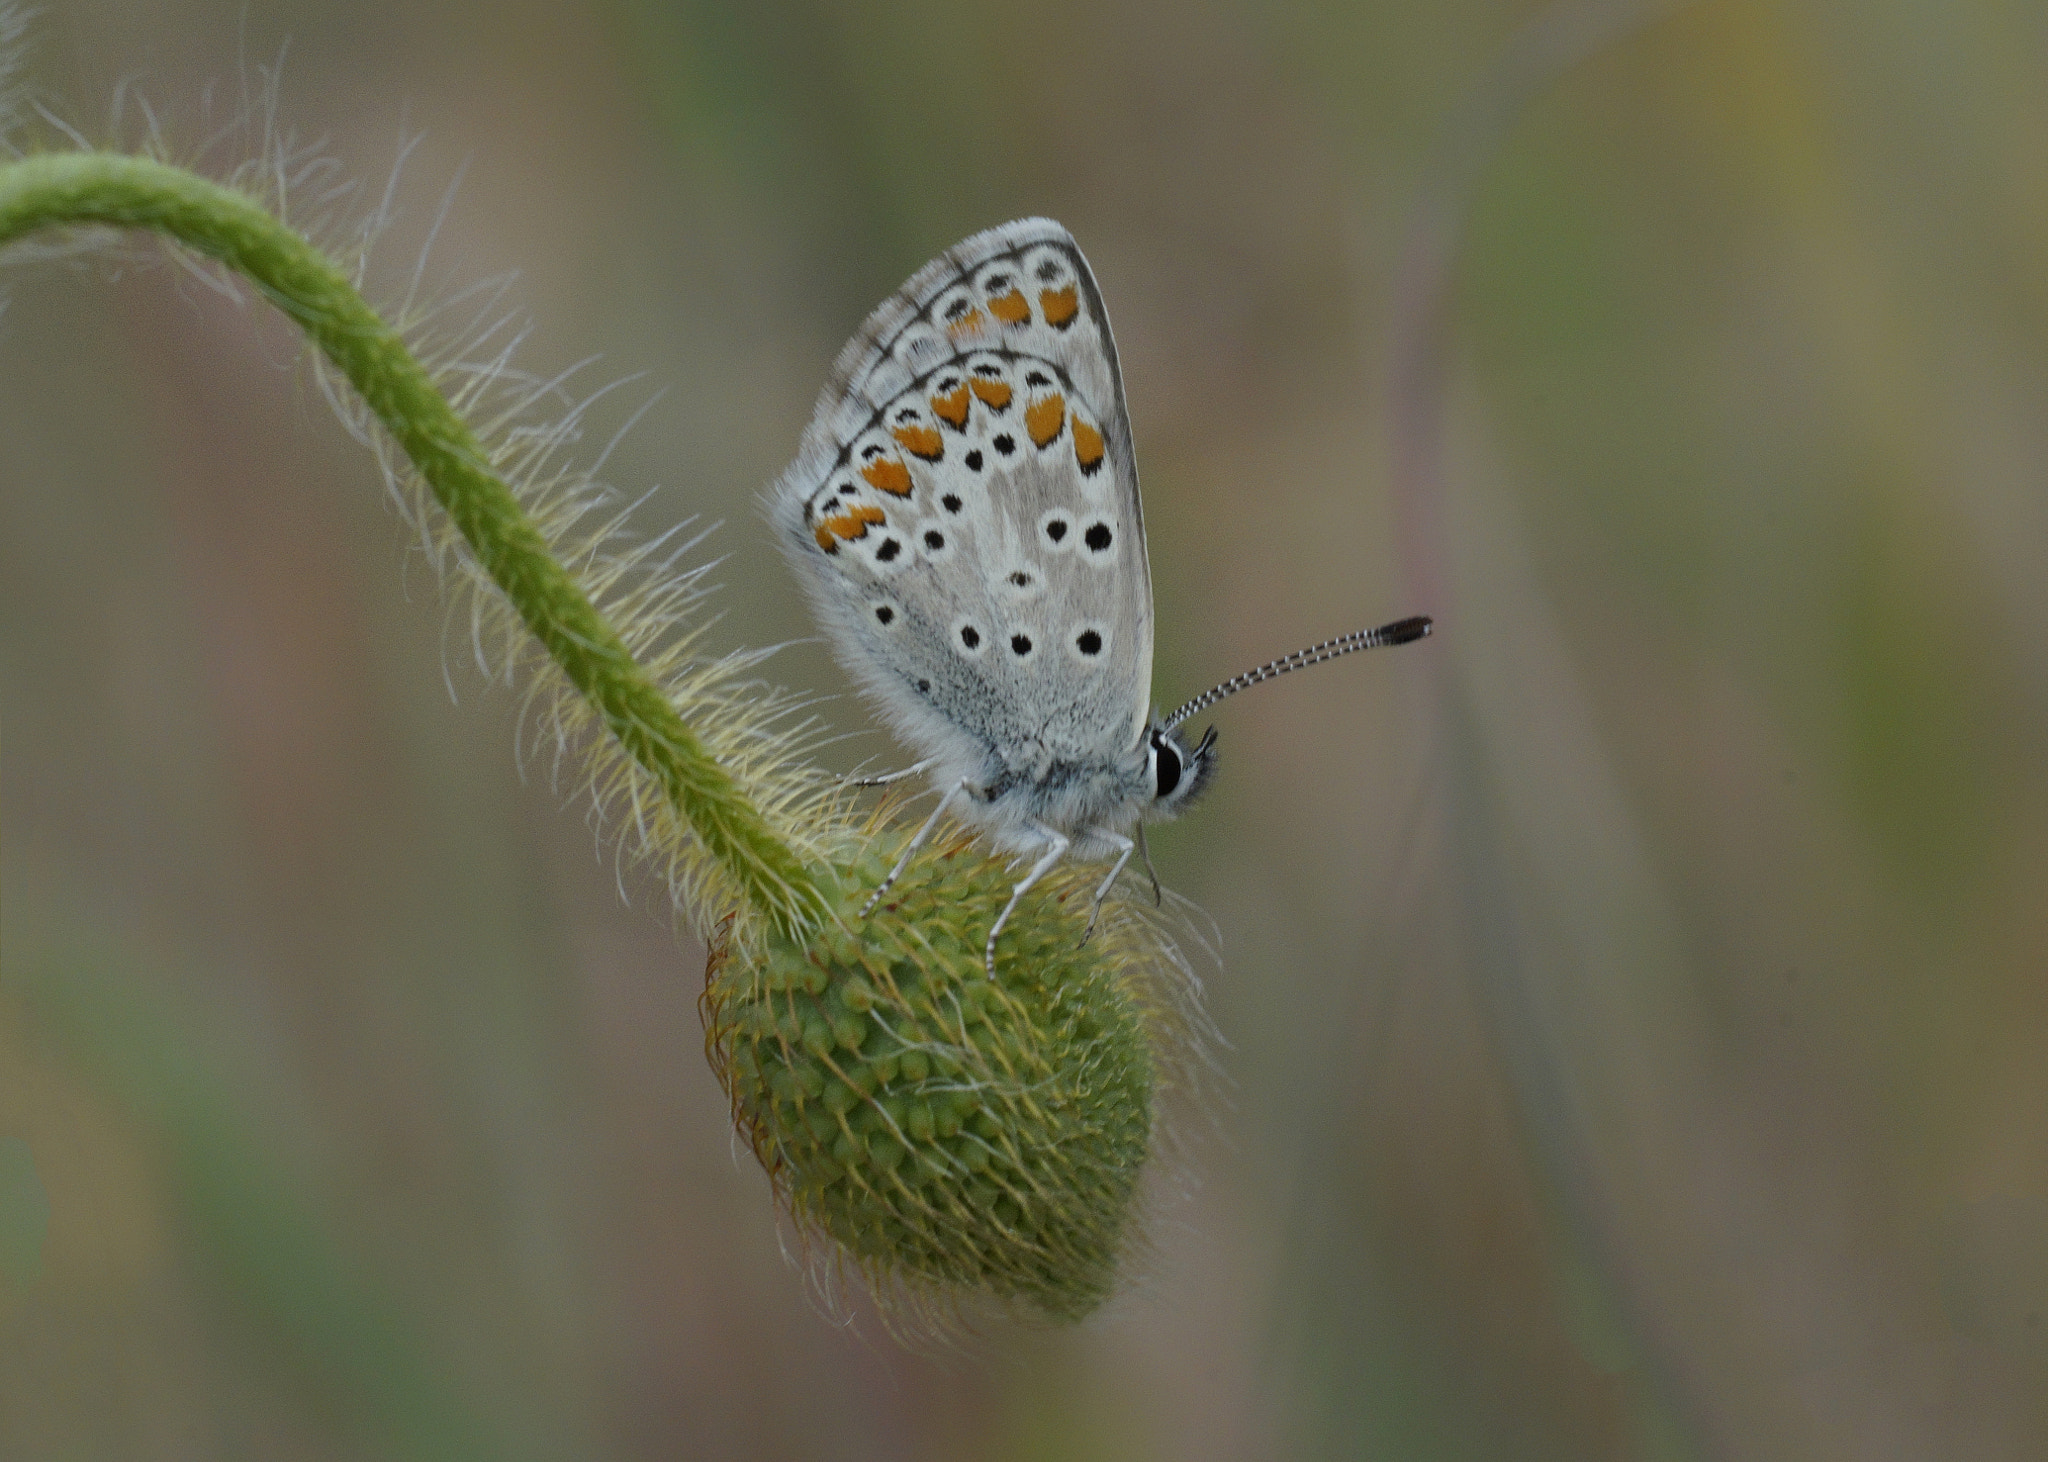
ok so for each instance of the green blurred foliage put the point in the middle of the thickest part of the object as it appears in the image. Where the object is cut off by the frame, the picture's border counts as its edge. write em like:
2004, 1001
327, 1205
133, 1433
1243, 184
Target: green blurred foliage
1636, 991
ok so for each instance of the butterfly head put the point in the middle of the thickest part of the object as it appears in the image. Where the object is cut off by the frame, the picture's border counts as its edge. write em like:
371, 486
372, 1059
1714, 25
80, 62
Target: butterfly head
1176, 772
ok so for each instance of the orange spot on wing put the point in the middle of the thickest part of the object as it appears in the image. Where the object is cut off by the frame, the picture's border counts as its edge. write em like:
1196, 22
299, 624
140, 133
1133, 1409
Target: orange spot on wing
1087, 446
1011, 308
1060, 306
886, 474
851, 524
952, 409
995, 393
1042, 418
922, 441
971, 323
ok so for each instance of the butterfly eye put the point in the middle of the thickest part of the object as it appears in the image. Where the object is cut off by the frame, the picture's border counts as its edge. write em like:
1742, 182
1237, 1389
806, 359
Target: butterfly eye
1166, 766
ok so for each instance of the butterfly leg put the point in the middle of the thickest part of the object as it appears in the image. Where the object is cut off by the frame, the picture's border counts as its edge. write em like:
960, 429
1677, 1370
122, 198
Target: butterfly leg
887, 777
1056, 845
910, 848
1152, 873
1128, 847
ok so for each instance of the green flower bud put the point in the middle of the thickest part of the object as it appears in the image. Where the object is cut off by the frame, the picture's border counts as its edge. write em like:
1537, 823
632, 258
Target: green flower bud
973, 1136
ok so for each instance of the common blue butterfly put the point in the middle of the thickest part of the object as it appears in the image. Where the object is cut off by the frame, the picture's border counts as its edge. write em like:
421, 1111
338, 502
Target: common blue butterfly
964, 512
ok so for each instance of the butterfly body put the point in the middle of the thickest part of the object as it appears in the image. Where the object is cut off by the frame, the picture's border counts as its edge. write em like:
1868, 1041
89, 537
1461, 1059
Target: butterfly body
964, 511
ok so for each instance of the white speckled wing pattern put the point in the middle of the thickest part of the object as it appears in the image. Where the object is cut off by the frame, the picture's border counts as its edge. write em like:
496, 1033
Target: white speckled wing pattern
965, 509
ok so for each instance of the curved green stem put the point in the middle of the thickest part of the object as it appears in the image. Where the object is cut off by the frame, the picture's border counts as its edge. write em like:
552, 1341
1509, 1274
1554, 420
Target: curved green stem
66, 189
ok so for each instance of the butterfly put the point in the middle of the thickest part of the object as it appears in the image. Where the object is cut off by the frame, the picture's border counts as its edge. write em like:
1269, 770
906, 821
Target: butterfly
964, 513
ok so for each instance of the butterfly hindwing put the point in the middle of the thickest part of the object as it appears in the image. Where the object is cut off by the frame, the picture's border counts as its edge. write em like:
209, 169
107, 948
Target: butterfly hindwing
965, 508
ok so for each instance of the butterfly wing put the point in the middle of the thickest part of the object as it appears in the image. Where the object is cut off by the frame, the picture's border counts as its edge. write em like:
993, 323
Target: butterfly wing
964, 510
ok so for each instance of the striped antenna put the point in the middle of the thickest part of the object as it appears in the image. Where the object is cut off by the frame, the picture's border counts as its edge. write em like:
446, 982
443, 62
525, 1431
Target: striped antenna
1400, 632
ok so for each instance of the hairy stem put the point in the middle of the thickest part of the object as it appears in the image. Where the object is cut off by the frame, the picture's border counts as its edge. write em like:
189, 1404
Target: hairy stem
68, 189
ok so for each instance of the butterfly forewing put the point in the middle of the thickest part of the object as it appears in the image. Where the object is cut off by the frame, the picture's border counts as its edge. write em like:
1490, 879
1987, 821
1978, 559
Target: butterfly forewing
966, 508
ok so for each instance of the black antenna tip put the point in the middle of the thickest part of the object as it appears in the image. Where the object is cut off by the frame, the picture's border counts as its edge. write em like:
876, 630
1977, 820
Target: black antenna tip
1404, 631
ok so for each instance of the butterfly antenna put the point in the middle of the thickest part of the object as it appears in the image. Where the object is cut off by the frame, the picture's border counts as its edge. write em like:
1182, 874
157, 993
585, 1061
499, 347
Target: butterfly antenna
1400, 632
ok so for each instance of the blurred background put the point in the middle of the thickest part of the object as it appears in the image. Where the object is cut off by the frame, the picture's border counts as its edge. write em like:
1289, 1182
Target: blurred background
1637, 995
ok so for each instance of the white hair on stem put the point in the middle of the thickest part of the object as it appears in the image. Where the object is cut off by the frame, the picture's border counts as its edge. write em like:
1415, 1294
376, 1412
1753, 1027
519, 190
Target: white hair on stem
531, 424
